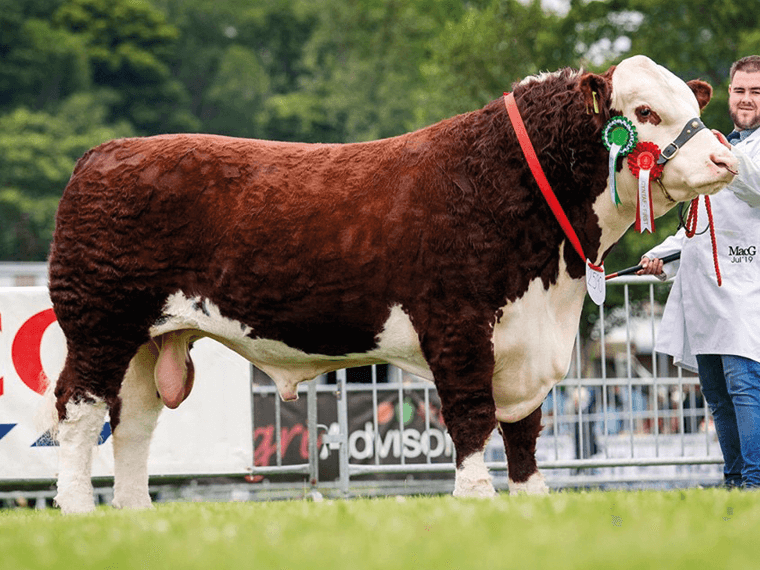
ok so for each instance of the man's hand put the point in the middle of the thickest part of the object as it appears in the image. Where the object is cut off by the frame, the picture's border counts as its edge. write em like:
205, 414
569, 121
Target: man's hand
650, 266
722, 139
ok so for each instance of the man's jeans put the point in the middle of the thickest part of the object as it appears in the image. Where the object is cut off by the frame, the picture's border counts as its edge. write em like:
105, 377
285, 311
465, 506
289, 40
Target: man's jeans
731, 386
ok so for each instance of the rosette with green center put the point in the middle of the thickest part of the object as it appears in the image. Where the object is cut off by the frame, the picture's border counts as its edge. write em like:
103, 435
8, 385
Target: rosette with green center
619, 131
619, 137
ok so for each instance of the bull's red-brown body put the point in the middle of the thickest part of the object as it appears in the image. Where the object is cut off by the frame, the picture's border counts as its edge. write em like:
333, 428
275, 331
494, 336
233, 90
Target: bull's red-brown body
313, 248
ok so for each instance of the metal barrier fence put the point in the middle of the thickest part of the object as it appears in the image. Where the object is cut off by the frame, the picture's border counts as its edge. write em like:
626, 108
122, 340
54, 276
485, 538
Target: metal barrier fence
23, 273
622, 417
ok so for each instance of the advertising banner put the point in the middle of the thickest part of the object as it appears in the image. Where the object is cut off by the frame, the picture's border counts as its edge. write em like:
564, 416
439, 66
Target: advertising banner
209, 434
366, 445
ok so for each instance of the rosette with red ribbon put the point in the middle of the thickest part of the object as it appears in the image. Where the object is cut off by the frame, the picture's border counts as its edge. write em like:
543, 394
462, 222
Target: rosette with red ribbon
642, 162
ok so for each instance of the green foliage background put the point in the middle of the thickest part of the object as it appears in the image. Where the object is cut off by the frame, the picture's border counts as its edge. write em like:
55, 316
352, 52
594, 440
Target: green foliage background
74, 73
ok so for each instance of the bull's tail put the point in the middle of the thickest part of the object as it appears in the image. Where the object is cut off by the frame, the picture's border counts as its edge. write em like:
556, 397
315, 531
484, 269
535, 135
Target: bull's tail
46, 416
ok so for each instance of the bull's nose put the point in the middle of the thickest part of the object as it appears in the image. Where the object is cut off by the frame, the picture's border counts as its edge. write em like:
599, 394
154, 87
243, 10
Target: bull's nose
726, 161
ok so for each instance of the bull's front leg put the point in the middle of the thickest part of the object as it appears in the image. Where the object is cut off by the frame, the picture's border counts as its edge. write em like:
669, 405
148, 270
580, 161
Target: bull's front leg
520, 446
470, 420
461, 359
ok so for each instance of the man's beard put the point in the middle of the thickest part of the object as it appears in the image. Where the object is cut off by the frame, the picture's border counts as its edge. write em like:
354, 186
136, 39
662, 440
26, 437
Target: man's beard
743, 125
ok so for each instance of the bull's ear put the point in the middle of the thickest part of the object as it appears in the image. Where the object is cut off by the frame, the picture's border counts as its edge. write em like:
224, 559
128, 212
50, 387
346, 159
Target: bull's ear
597, 93
702, 91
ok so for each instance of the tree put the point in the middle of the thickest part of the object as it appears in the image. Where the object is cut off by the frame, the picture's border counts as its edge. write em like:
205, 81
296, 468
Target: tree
236, 59
362, 66
130, 43
476, 57
38, 151
696, 39
235, 98
40, 65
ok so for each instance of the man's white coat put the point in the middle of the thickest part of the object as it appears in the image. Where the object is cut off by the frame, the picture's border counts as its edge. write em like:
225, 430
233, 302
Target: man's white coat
700, 317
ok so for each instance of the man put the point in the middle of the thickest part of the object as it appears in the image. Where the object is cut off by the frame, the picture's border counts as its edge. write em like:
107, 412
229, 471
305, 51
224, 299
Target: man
716, 329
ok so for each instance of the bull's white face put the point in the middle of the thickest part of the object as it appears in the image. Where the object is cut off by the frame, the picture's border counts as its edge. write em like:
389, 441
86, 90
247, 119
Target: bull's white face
659, 104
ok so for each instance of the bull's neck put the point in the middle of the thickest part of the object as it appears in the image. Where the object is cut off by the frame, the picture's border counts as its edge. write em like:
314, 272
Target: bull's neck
615, 220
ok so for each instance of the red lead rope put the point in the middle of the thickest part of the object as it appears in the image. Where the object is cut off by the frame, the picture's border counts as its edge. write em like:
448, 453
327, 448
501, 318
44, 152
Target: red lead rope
691, 230
538, 174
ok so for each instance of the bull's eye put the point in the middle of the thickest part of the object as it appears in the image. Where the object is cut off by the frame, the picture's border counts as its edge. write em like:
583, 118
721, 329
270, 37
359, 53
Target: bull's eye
645, 115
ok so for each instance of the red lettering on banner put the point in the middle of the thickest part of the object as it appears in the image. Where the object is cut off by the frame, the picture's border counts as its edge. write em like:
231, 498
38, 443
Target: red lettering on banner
25, 351
288, 437
267, 447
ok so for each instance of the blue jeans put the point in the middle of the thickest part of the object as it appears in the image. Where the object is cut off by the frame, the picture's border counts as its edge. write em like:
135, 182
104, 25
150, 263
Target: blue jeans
731, 387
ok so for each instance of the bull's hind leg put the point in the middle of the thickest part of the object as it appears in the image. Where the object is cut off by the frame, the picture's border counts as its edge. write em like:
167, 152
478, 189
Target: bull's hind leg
520, 445
78, 435
88, 386
140, 408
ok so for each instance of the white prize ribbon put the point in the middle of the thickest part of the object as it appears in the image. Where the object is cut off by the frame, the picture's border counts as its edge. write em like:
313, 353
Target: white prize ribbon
644, 209
614, 152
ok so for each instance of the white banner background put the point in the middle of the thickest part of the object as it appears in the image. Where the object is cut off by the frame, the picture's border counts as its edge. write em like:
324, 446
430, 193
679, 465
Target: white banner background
210, 433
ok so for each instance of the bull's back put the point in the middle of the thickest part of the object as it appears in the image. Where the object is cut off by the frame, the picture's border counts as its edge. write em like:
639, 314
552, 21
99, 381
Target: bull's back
157, 203
276, 234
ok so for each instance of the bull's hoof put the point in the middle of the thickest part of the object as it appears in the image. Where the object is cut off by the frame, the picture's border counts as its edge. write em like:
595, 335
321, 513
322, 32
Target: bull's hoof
535, 485
134, 503
71, 504
473, 479
474, 489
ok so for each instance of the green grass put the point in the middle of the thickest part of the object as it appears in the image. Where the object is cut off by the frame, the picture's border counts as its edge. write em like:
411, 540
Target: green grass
567, 530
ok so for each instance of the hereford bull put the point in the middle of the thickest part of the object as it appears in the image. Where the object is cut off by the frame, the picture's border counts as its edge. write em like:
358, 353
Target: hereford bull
433, 251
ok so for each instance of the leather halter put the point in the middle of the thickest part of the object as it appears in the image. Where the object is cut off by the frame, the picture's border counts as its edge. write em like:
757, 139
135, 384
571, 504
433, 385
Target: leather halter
693, 126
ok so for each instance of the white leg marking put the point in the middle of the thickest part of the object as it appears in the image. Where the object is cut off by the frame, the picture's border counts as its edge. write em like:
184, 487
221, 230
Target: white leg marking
78, 436
140, 408
535, 485
472, 478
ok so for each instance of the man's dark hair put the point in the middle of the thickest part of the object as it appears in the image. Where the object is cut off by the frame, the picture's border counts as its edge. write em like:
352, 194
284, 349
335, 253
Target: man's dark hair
749, 64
